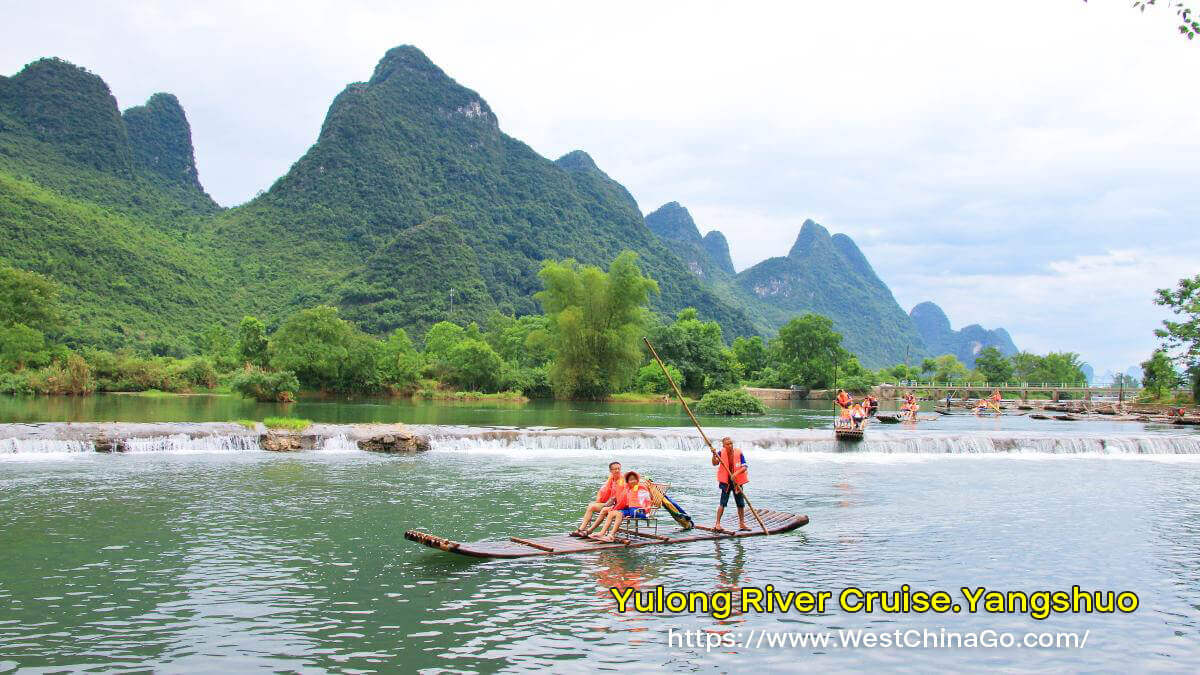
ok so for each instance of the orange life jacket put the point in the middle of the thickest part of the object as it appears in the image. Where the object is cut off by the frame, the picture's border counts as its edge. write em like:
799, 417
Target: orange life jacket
734, 460
609, 487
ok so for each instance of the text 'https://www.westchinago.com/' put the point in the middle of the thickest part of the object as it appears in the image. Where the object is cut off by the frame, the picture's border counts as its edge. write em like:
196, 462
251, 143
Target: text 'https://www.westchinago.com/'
867, 639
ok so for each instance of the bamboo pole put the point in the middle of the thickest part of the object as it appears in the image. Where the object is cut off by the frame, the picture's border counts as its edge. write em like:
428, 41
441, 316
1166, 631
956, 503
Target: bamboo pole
728, 468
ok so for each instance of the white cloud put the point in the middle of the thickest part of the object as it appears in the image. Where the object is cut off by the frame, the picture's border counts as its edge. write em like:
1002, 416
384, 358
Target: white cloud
951, 139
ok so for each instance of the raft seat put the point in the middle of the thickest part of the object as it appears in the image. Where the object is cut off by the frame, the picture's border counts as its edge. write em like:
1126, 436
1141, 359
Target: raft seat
650, 521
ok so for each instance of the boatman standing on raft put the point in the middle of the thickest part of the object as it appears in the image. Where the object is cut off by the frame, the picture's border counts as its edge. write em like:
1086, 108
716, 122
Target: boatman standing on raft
731, 456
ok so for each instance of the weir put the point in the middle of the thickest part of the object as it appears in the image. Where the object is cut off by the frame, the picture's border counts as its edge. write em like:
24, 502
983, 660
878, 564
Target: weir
784, 442
73, 440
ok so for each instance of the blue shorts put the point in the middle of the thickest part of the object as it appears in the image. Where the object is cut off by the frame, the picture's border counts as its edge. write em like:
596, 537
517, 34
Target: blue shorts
737, 496
633, 512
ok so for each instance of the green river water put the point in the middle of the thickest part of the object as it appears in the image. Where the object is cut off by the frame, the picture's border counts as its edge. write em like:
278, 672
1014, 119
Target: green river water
231, 561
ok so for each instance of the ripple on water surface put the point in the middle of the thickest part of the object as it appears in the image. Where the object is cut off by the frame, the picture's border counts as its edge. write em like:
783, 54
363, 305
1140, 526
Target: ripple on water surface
222, 561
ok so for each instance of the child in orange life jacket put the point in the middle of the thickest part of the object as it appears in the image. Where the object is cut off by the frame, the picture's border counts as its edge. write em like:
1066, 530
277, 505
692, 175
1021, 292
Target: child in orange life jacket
634, 502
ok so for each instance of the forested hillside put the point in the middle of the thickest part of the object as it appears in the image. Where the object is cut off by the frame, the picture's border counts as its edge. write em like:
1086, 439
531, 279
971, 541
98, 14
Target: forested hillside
411, 207
411, 197
830, 276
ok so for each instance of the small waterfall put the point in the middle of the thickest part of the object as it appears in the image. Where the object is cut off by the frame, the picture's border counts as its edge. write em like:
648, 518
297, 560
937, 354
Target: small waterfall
182, 443
41, 446
337, 444
810, 441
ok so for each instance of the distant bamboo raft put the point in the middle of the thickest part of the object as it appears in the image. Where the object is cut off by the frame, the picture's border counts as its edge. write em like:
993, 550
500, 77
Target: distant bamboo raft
560, 544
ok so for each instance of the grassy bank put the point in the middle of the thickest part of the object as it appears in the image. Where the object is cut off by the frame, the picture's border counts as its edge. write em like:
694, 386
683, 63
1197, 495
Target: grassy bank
438, 395
639, 397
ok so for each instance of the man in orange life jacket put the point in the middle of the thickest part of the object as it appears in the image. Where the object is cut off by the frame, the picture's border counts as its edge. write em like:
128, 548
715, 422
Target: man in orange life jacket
731, 457
605, 499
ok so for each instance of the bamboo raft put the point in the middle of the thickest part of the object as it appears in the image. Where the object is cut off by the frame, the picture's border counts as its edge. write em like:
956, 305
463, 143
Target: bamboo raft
776, 522
848, 434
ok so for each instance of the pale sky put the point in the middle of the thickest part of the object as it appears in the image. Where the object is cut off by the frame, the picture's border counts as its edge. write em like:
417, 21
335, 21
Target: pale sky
1030, 164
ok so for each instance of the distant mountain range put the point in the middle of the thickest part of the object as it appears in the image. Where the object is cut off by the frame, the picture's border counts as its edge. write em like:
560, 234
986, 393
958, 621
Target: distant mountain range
966, 343
411, 207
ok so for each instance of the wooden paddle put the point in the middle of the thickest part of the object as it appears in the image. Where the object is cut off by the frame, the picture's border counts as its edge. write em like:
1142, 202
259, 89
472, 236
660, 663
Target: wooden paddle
728, 468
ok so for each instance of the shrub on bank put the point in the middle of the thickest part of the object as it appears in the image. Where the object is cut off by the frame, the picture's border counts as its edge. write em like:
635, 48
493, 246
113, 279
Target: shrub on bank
734, 402
195, 373
265, 386
71, 376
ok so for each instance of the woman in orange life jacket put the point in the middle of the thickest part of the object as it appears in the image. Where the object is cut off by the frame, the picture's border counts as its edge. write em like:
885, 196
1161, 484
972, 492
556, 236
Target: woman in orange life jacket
634, 502
731, 457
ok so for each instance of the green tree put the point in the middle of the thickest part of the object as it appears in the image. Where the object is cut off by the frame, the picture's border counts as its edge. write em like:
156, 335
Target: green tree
595, 321
900, 373
1025, 366
30, 299
698, 349
1189, 23
475, 366
22, 346
947, 368
440, 340
853, 377
1059, 368
510, 337
928, 365
751, 353
216, 342
252, 342
650, 378
1159, 377
993, 365
325, 351
1127, 381
806, 351
399, 362
1182, 336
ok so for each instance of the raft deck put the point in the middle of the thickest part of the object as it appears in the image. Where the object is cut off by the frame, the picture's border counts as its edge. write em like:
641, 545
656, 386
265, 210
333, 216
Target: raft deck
559, 544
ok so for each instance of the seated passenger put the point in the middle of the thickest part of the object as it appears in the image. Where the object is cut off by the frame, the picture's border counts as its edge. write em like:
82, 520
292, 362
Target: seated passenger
634, 502
605, 499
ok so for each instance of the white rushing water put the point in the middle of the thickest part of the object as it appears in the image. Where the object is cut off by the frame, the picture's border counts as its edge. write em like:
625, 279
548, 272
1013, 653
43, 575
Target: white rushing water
337, 444
184, 444
783, 442
42, 446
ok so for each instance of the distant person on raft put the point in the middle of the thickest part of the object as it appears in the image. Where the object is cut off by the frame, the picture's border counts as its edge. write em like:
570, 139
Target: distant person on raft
871, 405
843, 401
857, 415
731, 456
606, 498
634, 502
